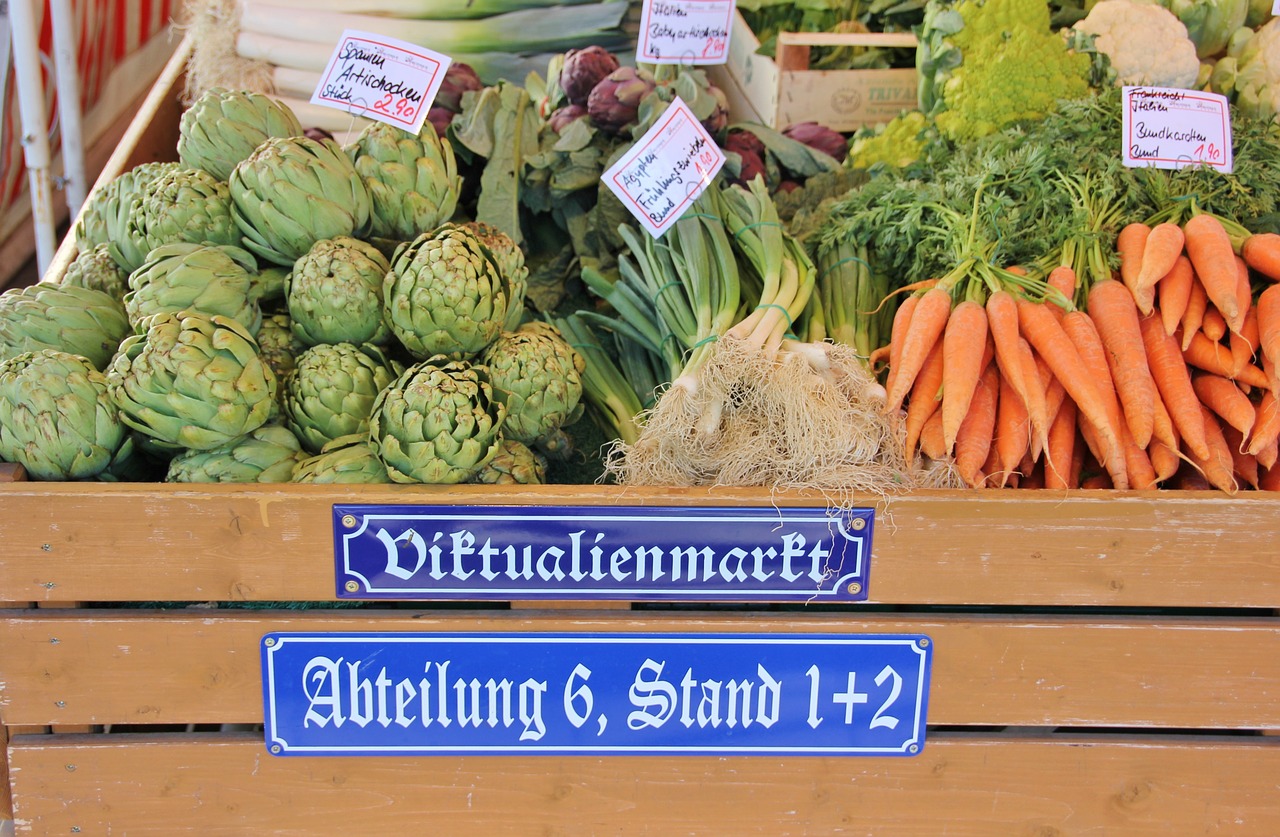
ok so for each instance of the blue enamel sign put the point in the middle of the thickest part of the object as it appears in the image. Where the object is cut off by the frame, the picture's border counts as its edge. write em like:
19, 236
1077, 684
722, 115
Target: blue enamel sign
635, 553
340, 694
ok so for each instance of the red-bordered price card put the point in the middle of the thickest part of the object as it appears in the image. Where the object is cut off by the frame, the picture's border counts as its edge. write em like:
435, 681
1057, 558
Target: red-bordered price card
382, 78
685, 31
663, 173
1170, 128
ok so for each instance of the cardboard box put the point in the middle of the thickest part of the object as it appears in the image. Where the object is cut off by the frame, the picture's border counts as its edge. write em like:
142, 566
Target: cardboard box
785, 91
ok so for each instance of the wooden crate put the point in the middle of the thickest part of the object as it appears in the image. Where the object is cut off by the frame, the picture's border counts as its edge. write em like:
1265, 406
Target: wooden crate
1105, 663
783, 92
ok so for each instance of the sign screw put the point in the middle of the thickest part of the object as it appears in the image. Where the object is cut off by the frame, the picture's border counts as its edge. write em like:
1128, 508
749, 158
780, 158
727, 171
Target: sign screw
854, 588
61, 704
349, 520
71, 768
913, 749
269, 642
924, 642
858, 524
275, 749
352, 586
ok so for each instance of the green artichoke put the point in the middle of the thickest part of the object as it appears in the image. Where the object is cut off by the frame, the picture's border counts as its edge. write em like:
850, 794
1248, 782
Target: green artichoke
538, 377
94, 268
192, 381
183, 205
515, 464
332, 389
104, 216
438, 423
80, 321
294, 191
269, 283
334, 293
278, 345
223, 127
267, 454
206, 278
58, 422
348, 460
412, 180
445, 294
510, 260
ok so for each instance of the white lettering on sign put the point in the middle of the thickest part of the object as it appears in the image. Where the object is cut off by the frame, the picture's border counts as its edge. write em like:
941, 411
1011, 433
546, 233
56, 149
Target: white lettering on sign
663, 173
1169, 128
382, 78
685, 32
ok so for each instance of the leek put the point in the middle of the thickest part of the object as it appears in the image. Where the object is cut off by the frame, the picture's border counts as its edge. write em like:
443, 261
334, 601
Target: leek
557, 28
427, 9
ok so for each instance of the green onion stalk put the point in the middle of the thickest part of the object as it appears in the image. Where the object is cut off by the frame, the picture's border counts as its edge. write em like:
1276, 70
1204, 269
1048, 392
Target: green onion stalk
613, 403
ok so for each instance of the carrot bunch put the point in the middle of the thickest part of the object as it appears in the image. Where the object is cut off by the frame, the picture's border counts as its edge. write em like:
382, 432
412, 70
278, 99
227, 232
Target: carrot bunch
1160, 373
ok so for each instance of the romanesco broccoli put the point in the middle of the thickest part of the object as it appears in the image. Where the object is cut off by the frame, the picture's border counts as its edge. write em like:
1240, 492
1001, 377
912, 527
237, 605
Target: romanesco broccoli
897, 143
984, 64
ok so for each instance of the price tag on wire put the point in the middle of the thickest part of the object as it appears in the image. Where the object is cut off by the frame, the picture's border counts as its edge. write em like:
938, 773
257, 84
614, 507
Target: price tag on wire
382, 78
1170, 128
662, 174
685, 31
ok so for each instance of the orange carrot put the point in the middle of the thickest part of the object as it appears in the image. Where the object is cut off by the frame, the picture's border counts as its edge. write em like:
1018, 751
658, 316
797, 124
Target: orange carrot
1226, 400
1084, 336
931, 444
1060, 450
1261, 251
1164, 460
1266, 427
1012, 433
1208, 355
1244, 292
1131, 243
1214, 325
1209, 248
1174, 290
1137, 465
901, 322
1112, 309
1046, 335
964, 342
1064, 279
1159, 254
1269, 325
927, 323
1218, 467
925, 398
1270, 481
1037, 400
1268, 454
1244, 465
1162, 429
1244, 342
973, 443
1193, 316
1017, 364
1054, 393
1173, 381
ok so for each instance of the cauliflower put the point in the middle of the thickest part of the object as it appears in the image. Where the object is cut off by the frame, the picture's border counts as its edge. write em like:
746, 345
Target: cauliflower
984, 64
1146, 43
1257, 81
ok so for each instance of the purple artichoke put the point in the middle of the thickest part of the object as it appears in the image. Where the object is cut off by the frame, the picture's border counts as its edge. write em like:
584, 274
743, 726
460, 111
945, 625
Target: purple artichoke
718, 120
615, 100
560, 119
440, 119
751, 150
583, 69
820, 137
458, 79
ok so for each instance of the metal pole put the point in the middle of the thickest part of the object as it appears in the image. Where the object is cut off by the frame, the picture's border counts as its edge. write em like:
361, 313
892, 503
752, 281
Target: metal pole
35, 126
67, 64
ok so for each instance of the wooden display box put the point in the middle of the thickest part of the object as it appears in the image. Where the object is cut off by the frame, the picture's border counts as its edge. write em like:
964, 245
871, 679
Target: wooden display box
1105, 663
783, 92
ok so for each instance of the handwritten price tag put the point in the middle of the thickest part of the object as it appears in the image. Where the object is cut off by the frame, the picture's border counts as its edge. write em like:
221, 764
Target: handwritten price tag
1170, 128
666, 170
685, 31
382, 78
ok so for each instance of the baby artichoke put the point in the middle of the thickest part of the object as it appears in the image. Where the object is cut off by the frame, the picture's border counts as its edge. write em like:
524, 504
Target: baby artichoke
223, 127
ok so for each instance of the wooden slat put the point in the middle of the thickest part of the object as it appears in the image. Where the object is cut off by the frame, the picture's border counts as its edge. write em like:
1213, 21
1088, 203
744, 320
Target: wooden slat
109, 667
6, 798
148, 542
959, 786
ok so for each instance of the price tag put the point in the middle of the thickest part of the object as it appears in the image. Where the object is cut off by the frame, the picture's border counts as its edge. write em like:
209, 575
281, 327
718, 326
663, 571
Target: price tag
685, 31
1275, 8
1170, 128
382, 78
666, 170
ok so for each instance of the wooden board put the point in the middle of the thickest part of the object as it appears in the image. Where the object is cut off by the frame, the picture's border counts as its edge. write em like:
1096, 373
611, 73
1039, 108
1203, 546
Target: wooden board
149, 542
961, 786
109, 667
